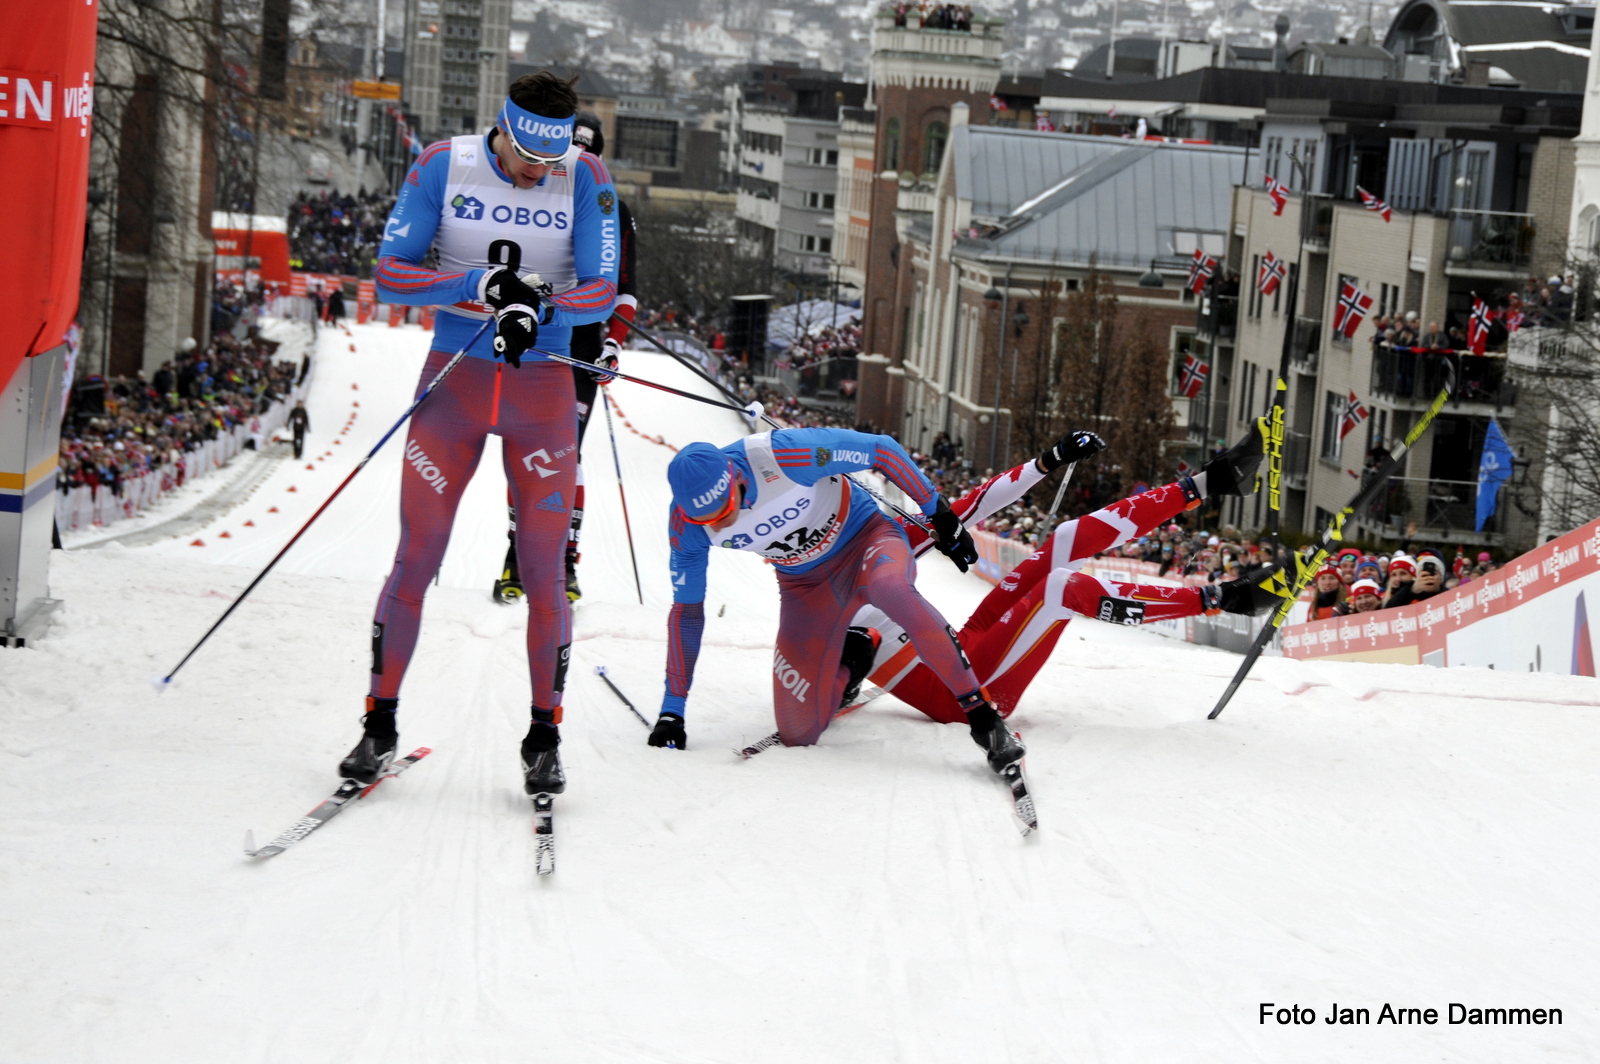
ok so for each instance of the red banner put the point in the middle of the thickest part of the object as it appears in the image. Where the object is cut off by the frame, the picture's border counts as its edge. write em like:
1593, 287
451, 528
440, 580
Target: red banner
1533, 613
366, 299
46, 97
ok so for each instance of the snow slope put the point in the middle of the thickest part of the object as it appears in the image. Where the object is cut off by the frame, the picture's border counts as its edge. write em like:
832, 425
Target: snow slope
1345, 833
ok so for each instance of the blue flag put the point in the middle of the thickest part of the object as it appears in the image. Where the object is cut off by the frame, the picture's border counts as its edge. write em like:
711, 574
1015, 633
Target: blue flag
1493, 470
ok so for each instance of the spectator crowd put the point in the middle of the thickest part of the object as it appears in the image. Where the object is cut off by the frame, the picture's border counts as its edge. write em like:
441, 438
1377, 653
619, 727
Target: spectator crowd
334, 232
122, 428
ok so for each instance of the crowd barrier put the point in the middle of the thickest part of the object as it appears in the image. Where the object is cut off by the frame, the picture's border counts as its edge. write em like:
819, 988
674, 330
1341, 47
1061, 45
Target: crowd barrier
83, 507
1530, 616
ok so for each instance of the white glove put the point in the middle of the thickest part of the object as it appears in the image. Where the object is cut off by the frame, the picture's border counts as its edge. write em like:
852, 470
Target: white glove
753, 414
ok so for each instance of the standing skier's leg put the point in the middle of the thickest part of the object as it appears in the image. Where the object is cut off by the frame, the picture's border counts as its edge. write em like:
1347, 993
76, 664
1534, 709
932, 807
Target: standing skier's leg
541, 458
442, 451
508, 588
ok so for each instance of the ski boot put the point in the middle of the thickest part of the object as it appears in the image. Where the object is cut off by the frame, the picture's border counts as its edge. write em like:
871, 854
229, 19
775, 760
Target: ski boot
1233, 472
573, 593
1002, 747
541, 758
373, 754
860, 648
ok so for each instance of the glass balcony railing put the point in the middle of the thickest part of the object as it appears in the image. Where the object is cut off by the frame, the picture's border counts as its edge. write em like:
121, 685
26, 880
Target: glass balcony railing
1435, 506
1407, 373
1491, 240
1218, 317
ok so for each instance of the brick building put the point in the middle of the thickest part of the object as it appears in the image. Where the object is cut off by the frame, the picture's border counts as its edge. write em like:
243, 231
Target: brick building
918, 75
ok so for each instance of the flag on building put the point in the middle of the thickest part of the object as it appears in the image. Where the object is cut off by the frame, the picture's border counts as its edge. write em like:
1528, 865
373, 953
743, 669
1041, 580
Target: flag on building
1200, 270
996, 103
1042, 123
1272, 271
1513, 320
1193, 377
1352, 309
1373, 203
1279, 194
1354, 414
1478, 326
1494, 469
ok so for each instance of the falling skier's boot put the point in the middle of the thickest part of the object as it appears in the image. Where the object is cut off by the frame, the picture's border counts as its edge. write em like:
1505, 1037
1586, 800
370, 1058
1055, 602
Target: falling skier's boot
989, 730
541, 756
860, 648
372, 755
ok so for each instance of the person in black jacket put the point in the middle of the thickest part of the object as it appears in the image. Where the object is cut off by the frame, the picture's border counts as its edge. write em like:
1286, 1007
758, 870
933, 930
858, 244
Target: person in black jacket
599, 343
300, 422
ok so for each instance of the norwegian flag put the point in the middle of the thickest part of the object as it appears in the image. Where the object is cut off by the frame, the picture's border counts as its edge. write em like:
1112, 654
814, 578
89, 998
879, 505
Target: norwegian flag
1042, 124
1352, 308
1200, 270
1272, 271
1354, 414
1193, 377
1478, 326
996, 103
1513, 320
1279, 194
1373, 203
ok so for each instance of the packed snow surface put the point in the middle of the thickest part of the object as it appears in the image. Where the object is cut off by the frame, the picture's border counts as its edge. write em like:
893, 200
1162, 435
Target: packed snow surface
1359, 834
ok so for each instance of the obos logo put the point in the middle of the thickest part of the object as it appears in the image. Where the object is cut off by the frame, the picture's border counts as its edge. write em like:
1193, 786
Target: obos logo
739, 542
467, 207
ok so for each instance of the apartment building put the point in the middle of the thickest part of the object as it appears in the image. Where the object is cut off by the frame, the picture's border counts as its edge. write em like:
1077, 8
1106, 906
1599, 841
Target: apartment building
455, 64
1481, 196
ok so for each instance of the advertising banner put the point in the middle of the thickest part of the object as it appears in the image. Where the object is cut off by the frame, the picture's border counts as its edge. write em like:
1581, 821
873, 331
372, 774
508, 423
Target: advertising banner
1530, 616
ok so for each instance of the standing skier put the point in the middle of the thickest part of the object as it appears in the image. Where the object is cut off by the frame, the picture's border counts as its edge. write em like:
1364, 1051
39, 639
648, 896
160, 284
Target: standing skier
587, 346
786, 496
520, 198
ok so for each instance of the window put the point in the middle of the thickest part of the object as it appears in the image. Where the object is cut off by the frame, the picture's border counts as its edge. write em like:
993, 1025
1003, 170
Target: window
770, 143
933, 138
1253, 300
1344, 279
758, 188
1309, 157
823, 244
1332, 414
891, 144
822, 156
818, 200
1272, 158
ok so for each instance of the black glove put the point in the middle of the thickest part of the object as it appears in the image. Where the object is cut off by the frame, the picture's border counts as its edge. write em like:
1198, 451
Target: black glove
607, 360
1073, 447
1266, 590
669, 733
951, 539
503, 289
1233, 472
514, 332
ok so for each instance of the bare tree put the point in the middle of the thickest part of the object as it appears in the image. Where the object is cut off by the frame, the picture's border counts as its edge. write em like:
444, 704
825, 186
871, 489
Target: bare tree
1144, 416
690, 259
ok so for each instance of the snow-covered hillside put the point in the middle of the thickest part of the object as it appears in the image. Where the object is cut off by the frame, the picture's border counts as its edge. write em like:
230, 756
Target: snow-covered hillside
1359, 834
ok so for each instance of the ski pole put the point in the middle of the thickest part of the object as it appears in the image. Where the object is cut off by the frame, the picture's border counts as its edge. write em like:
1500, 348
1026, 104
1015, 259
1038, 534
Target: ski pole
1055, 507
448, 366
1333, 532
616, 458
600, 671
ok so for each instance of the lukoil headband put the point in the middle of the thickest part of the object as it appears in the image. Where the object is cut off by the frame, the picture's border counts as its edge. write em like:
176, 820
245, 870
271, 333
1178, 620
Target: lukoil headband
535, 138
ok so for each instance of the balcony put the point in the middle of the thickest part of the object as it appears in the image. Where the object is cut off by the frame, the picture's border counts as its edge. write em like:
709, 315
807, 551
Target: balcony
1316, 220
1306, 346
1296, 459
1439, 508
1408, 374
1217, 318
1490, 242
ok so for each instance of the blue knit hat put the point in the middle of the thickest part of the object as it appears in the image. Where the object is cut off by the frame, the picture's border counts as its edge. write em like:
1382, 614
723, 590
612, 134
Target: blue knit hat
701, 477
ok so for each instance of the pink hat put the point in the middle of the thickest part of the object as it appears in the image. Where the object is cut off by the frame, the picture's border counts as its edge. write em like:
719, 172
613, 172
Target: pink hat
1484, 556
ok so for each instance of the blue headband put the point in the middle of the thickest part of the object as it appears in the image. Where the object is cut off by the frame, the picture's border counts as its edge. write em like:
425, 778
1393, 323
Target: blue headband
535, 134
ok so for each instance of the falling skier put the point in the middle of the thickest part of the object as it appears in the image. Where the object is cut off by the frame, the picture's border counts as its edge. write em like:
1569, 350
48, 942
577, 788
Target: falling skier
786, 496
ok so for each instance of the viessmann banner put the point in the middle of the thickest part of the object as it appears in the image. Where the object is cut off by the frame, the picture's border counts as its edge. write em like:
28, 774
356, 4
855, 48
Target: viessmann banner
1532, 615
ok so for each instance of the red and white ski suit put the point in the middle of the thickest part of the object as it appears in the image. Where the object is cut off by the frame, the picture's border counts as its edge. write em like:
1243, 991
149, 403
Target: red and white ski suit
1012, 632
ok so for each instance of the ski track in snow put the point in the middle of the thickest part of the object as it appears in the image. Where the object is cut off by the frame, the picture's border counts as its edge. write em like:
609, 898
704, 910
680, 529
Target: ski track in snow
867, 899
